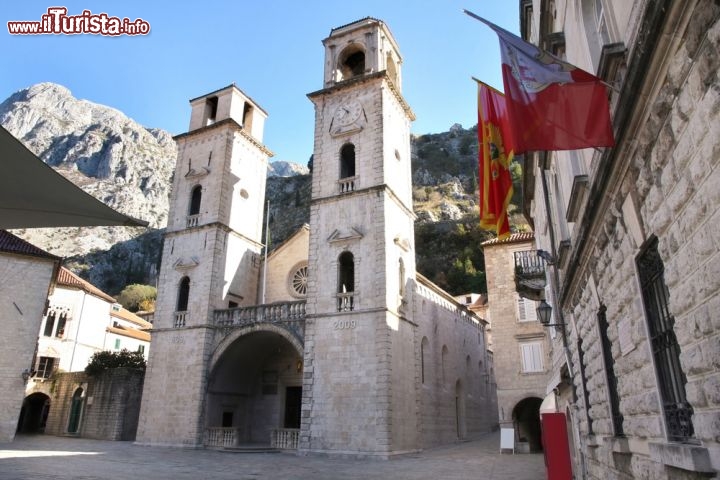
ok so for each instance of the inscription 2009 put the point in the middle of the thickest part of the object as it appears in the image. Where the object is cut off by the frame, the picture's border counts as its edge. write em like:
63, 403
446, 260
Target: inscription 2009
344, 324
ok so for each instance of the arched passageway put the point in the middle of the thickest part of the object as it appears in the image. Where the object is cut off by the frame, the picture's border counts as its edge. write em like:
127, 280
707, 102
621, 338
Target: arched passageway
255, 390
34, 413
526, 418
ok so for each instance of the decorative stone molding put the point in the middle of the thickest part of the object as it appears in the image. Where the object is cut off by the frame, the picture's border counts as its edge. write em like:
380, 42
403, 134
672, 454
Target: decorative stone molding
182, 265
339, 236
192, 173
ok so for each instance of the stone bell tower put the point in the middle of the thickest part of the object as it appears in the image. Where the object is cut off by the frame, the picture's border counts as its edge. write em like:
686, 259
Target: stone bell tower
360, 394
210, 259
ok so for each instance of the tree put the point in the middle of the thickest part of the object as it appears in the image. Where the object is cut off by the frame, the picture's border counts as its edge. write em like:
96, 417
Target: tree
106, 360
135, 297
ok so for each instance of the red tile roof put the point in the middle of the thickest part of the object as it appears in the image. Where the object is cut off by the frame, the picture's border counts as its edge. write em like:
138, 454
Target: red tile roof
130, 317
66, 277
126, 332
514, 238
9, 243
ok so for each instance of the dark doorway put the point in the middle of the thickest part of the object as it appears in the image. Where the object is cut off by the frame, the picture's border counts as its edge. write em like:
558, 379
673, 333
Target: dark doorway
526, 417
293, 404
227, 419
34, 413
75, 411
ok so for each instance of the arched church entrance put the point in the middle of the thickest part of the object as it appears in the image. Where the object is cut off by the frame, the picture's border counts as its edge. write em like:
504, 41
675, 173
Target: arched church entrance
34, 413
255, 391
526, 418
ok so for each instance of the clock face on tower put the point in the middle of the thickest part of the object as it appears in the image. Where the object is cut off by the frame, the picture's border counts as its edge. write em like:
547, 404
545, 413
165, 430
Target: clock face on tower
347, 113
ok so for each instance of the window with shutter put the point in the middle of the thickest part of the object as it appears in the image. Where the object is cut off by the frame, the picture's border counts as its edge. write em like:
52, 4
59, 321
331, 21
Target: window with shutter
526, 310
532, 353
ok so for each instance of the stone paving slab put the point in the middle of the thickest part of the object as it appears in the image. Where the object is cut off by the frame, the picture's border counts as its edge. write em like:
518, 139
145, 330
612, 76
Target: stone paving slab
60, 458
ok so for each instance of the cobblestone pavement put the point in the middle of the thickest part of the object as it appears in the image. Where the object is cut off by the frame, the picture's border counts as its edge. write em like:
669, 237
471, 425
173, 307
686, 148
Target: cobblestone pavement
40, 457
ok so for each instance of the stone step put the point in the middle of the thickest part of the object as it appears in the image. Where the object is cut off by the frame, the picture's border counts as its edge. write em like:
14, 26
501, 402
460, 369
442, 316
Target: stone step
251, 449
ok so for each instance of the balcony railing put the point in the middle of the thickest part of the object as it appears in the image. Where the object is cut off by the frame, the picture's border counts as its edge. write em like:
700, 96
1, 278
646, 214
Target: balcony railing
192, 221
222, 436
284, 312
345, 301
285, 438
530, 278
227, 437
179, 319
347, 184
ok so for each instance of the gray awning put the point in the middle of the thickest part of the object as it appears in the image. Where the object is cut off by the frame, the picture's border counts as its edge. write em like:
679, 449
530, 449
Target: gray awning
34, 195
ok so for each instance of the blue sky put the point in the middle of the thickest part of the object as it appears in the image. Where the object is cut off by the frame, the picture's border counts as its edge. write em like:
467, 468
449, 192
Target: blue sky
271, 49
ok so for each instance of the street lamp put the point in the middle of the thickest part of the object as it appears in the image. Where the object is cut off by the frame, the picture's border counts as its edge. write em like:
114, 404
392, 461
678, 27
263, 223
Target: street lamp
544, 312
25, 375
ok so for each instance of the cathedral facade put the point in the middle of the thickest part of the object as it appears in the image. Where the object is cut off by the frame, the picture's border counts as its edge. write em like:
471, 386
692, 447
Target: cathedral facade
332, 343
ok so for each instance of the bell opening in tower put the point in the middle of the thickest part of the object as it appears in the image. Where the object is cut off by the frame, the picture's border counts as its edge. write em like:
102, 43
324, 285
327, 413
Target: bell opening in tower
211, 105
352, 62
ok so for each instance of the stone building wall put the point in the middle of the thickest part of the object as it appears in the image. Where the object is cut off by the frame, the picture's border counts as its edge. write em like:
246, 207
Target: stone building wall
660, 181
110, 404
453, 371
62, 388
113, 405
22, 295
670, 191
512, 384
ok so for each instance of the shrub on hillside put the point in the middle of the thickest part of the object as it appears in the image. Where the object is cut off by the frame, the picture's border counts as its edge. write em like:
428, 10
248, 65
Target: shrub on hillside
134, 295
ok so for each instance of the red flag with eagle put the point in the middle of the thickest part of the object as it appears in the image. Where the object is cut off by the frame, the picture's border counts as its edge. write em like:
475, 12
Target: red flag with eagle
495, 154
552, 105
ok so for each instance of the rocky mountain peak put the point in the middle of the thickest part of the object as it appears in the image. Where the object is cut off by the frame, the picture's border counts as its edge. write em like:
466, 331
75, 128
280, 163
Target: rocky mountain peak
100, 149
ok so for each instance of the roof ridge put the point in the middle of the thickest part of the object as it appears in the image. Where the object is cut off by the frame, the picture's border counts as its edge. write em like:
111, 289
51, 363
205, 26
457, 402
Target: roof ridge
513, 238
13, 244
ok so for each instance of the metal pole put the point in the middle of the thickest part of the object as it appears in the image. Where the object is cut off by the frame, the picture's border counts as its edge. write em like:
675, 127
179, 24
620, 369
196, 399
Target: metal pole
267, 244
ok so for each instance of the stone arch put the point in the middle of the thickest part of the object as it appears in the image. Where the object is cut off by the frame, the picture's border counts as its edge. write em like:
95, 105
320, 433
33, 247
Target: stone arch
347, 160
392, 70
76, 411
424, 356
443, 363
254, 386
351, 62
526, 420
34, 413
258, 327
195, 200
183, 294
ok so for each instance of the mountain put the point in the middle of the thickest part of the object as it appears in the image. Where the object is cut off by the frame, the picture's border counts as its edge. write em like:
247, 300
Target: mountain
98, 148
281, 168
129, 167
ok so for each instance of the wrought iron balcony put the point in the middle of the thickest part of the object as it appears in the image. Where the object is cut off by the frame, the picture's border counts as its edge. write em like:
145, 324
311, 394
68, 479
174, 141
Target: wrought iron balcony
530, 278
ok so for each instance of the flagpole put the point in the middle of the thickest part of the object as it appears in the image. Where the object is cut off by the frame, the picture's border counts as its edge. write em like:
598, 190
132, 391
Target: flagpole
267, 236
488, 86
611, 87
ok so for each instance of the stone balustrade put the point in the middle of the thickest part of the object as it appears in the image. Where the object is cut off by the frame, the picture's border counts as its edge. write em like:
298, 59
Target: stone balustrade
179, 319
222, 436
285, 438
192, 221
287, 315
347, 184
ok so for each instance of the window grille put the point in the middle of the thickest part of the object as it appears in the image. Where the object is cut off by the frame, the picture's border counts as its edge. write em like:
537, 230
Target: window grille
583, 379
612, 382
665, 348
